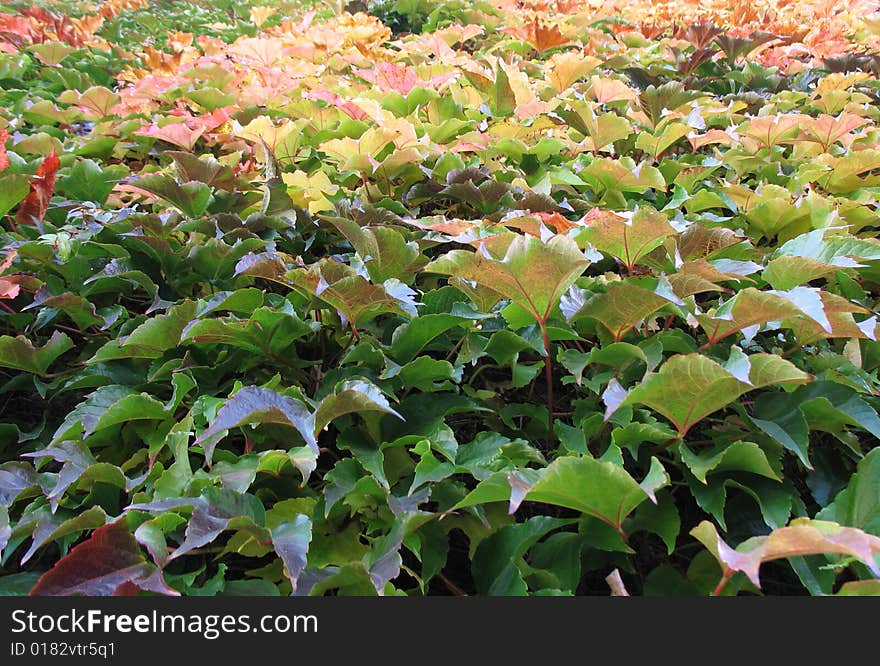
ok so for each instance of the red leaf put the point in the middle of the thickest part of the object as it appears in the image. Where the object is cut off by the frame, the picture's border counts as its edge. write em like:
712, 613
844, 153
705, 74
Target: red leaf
33, 209
4, 158
109, 562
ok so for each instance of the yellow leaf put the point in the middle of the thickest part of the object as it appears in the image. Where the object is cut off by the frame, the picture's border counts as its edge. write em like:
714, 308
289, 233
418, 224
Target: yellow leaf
566, 68
260, 14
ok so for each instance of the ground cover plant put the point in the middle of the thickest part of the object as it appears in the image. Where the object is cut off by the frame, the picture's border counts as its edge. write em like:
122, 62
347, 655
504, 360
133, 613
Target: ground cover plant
411, 298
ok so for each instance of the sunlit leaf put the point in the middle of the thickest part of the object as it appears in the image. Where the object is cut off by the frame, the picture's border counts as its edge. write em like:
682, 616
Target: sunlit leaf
531, 273
689, 387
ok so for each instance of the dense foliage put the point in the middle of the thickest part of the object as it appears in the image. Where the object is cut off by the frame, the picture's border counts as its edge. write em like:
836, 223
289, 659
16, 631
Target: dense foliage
502, 298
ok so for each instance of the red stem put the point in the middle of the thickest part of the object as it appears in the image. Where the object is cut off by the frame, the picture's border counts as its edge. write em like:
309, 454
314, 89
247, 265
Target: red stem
548, 375
721, 583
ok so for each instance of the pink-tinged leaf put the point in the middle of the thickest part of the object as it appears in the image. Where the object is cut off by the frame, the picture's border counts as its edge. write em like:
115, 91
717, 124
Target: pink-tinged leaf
826, 130
713, 136
208, 122
607, 90
400, 78
9, 287
108, 560
332, 98
33, 209
4, 158
800, 538
768, 131
178, 134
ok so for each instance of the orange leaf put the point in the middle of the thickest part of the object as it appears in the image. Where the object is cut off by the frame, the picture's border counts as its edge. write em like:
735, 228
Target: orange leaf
557, 221
33, 209
542, 37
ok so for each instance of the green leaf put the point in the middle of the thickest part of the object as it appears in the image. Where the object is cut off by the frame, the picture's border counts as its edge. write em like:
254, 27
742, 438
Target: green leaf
268, 332
354, 396
858, 505
689, 387
80, 310
603, 490
139, 406
620, 308
55, 527
532, 274
661, 518
353, 297
385, 252
654, 144
860, 588
626, 236
610, 178
502, 100
498, 559
19, 353
192, 199
738, 456
83, 418
825, 405
786, 272
18, 585
259, 405
87, 181
13, 189
410, 338
152, 338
